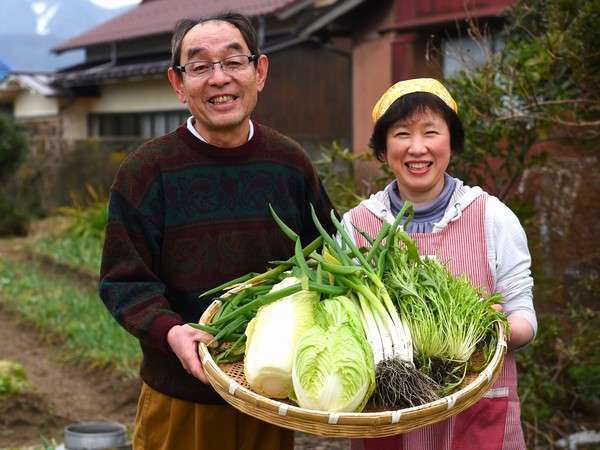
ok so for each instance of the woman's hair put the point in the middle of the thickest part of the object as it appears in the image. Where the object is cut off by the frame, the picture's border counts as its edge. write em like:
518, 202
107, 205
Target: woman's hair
406, 106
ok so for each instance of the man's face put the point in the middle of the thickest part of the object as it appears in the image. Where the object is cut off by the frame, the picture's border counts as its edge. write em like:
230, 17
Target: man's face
220, 102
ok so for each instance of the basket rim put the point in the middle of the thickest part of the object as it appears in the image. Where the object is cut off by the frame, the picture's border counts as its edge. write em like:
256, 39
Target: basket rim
333, 423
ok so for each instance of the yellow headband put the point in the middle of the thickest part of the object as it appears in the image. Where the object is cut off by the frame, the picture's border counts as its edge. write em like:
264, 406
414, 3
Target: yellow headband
430, 85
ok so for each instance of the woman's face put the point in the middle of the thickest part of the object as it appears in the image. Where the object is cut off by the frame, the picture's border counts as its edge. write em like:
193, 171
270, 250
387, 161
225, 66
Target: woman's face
418, 152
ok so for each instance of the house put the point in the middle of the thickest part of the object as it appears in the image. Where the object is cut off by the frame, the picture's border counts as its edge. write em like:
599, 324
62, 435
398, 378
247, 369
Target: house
37, 102
329, 62
121, 89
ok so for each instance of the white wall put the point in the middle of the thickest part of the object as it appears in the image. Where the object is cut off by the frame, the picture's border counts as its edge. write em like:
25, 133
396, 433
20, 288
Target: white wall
74, 118
137, 96
128, 96
124, 97
31, 105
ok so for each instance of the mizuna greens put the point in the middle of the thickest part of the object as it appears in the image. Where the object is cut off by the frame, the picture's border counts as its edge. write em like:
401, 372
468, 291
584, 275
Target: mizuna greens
449, 318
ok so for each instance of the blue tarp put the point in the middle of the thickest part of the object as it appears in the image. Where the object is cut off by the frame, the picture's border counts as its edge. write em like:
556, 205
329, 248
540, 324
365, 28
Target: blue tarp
4, 69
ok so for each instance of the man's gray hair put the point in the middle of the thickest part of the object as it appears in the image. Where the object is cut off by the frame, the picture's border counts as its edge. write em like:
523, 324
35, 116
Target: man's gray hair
238, 20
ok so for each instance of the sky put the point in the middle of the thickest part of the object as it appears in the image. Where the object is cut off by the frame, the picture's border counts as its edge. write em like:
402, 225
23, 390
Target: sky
115, 3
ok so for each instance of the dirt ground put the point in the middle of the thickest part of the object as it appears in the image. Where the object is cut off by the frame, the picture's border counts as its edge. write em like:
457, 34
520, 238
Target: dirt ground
63, 393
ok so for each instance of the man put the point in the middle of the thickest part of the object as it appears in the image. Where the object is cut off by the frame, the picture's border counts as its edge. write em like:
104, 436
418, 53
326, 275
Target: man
189, 211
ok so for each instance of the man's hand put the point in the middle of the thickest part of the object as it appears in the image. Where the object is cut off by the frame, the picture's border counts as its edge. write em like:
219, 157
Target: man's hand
183, 340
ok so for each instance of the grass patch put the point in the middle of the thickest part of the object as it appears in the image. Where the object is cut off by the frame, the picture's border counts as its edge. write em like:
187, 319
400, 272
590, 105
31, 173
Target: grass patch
79, 244
13, 379
89, 334
75, 250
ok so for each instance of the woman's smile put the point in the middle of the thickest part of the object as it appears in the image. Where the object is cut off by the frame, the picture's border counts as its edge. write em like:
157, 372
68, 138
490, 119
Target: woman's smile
418, 152
418, 167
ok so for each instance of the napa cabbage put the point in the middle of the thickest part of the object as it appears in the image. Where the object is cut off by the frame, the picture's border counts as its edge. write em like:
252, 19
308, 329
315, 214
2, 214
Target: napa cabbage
271, 340
333, 364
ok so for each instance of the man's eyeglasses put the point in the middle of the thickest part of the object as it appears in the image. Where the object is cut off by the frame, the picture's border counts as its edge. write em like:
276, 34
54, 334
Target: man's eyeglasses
231, 65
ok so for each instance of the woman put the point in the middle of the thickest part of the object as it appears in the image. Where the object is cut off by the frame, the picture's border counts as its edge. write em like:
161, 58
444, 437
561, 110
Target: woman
416, 130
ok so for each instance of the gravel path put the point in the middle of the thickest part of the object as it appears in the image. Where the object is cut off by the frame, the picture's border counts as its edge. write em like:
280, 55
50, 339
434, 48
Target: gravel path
308, 442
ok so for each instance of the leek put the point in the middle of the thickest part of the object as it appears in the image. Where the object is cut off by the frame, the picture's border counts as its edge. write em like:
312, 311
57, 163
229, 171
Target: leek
388, 335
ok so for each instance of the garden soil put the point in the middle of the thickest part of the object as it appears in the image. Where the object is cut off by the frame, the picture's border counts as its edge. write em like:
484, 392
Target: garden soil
62, 393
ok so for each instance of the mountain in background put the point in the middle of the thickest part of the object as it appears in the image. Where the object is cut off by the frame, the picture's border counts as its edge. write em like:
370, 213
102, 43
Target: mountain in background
30, 28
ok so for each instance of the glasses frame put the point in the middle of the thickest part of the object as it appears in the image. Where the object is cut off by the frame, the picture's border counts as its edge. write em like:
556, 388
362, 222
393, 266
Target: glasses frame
182, 68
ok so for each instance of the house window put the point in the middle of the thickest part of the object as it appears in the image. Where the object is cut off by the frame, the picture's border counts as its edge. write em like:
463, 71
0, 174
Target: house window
159, 123
146, 124
467, 53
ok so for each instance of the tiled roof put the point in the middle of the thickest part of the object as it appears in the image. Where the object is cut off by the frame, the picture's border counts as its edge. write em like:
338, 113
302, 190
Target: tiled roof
40, 83
101, 73
160, 16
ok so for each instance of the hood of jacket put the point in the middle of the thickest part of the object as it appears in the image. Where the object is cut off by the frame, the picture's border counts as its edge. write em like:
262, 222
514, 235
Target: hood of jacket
462, 197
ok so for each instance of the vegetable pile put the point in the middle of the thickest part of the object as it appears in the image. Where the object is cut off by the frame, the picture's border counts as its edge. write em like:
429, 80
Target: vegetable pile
337, 327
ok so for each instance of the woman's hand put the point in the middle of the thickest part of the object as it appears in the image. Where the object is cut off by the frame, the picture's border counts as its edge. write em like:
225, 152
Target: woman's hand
521, 332
183, 340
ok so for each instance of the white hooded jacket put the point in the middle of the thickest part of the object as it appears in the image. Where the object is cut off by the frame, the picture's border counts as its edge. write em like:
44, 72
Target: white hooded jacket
508, 255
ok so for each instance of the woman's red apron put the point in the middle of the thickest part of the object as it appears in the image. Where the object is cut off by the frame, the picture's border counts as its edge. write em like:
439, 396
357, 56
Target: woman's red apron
493, 423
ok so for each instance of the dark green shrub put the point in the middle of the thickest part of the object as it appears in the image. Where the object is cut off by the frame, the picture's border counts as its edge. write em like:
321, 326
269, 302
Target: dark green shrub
13, 221
559, 375
13, 150
13, 145
542, 86
335, 167
88, 164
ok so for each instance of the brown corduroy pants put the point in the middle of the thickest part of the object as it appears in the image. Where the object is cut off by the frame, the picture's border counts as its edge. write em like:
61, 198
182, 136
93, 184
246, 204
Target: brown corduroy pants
166, 423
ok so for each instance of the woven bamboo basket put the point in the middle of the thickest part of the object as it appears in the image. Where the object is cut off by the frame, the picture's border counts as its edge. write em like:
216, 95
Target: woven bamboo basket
229, 382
